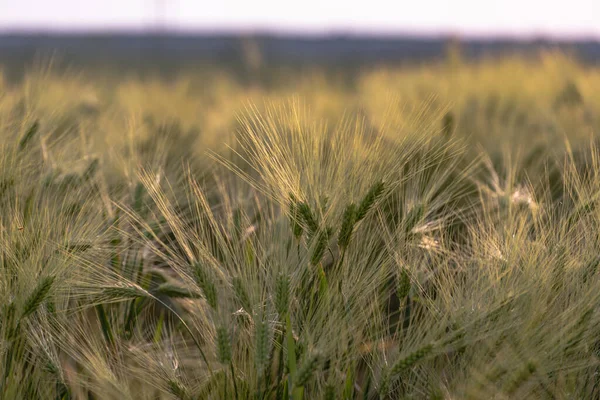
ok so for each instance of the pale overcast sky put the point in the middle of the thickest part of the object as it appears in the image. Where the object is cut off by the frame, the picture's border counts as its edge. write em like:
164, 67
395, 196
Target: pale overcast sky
471, 17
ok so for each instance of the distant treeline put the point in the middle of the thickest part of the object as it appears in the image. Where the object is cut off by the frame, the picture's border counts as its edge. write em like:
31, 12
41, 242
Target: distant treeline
237, 54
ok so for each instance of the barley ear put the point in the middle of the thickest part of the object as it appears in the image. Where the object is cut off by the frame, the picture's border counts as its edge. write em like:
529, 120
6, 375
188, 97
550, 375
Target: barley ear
308, 217
307, 369
177, 389
37, 297
295, 217
33, 129
414, 216
369, 200
520, 378
8, 320
206, 284
348, 221
410, 360
403, 288
448, 124
320, 246
241, 294
223, 345
263, 344
175, 292
329, 392
324, 203
138, 198
91, 170
384, 385
578, 331
124, 292
282, 293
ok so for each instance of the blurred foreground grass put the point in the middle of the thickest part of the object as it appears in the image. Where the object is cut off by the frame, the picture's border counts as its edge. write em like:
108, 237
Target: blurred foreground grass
425, 232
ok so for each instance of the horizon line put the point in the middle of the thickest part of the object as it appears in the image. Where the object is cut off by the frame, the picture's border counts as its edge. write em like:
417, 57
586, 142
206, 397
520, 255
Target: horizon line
303, 33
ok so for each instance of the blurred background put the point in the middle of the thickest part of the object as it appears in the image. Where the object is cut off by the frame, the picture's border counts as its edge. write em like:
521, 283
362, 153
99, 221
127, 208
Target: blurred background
262, 38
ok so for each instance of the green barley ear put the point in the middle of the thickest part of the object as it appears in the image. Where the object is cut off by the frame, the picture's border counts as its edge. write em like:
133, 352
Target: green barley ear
214, 384
308, 217
295, 217
262, 335
78, 247
51, 307
324, 203
5, 185
403, 288
520, 378
71, 180
91, 170
207, 286
241, 294
177, 389
282, 294
369, 200
384, 385
174, 292
37, 297
223, 345
8, 320
33, 129
124, 292
569, 96
51, 367
62, 390
348, 221
105, 324
329, 392
414, 216
307, 369
237, 220
581, 211
448, 124
410, 360
348, 391
578, 331
591, 268
320, 246
138, 198
367, 387
494, 375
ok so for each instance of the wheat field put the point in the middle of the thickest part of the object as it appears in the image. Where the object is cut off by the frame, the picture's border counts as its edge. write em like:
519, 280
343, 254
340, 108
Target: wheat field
426, 232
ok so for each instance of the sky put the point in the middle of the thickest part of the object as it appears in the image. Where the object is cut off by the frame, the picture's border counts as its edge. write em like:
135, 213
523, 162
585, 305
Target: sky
556, 18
